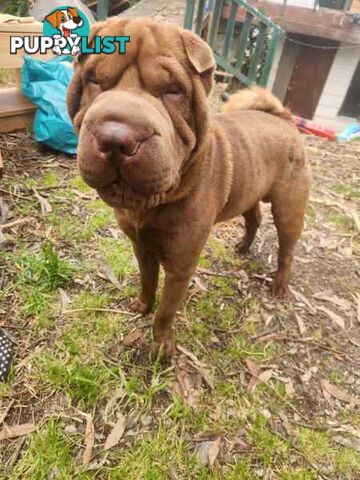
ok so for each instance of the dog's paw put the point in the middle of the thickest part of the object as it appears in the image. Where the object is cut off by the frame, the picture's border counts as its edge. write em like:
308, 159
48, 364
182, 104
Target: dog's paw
279, 288
242, 247
138, 306
163, 349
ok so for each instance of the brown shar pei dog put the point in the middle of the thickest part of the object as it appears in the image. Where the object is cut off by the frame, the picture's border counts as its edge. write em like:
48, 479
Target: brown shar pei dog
170, 170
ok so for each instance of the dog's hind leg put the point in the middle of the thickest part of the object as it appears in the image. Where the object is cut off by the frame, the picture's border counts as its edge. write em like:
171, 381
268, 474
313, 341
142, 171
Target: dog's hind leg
252, 223
288, 211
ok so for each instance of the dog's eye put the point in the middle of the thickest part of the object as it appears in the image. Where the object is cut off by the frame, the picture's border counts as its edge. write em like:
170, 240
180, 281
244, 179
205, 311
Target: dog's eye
173, 91
91, 78
63, 19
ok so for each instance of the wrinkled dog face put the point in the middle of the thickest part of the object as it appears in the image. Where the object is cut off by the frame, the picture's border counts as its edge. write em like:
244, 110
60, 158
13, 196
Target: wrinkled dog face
142, 116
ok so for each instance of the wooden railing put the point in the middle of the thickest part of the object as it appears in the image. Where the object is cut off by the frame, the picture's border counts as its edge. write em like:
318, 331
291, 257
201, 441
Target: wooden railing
242, 38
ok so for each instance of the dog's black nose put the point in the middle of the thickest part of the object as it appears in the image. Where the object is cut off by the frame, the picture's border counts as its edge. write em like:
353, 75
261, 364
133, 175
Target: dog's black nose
114, 136
77, 20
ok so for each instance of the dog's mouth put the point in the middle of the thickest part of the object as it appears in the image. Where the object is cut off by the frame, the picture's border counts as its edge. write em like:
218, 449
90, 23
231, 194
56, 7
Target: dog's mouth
119, 194
66, 31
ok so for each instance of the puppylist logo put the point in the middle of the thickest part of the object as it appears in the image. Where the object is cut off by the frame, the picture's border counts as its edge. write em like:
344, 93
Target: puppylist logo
66, 31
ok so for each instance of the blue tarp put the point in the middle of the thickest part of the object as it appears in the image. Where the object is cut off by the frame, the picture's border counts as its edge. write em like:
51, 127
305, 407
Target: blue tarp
45, 83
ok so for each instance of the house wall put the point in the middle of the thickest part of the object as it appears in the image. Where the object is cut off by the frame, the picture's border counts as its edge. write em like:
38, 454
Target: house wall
336, 87
286, 54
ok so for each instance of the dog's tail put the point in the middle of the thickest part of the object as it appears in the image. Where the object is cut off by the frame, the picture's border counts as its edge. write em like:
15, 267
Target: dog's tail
255, 98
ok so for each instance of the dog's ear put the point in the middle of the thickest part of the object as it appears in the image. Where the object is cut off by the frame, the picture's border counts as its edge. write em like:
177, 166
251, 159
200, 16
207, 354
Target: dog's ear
73, 11
52, 19
74, 92
199, 53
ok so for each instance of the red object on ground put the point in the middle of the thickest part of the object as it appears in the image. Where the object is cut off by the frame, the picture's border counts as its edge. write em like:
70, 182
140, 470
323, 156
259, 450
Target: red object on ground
308, 126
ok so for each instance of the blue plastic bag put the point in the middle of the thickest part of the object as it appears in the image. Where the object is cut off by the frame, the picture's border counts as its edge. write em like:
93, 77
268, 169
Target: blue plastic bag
45, 83
351, 132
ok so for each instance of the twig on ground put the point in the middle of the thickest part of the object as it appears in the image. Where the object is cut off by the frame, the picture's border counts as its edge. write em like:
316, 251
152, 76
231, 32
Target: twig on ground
17, 195
15, 223
204, 271
14, 456
106, 310
7, 409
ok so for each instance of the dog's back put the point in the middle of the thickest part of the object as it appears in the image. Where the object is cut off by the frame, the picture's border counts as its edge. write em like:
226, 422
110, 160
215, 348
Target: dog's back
264, 143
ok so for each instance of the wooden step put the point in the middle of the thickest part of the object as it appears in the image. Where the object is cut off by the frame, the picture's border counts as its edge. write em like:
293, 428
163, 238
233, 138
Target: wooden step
16, 111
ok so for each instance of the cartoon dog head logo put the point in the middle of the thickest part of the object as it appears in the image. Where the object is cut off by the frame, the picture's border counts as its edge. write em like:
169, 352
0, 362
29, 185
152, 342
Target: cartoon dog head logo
65, 20
66, 26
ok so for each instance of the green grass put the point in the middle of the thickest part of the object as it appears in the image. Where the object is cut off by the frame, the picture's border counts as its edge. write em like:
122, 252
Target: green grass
342, 222
320, 449
85, 383
91, 328
78, 183
50, 179
45, 269
271, 449
347, 190
48, 455
37, 278
119, 255
156, 458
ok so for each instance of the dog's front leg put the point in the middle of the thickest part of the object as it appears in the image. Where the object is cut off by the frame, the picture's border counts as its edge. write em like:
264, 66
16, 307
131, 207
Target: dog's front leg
149, 266
175, 287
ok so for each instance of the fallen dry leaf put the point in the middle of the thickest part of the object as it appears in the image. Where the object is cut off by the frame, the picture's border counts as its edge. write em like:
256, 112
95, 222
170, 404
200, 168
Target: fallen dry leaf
357, 304
188, 393
353, 442
265, 375
301, 324
64, 300
132, 337
111, 404
256, 377
110, 275
289, 389
348, 429
214, 451
290, 428
254, 374
199, 283
202, 453
301, 298
89, 440
333, 316
14, 431
116, 433
338, 393
340, 302
198, 365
